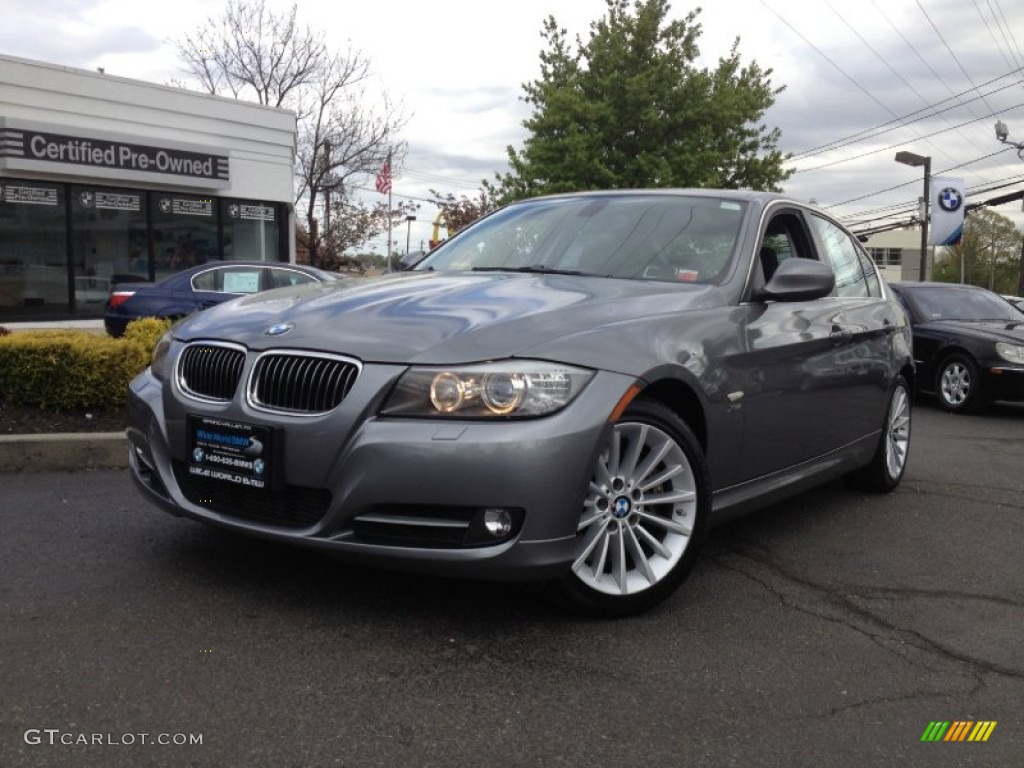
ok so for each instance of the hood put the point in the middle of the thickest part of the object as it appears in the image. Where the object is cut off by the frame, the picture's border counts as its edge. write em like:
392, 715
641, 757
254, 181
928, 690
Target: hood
997, 330
430, 317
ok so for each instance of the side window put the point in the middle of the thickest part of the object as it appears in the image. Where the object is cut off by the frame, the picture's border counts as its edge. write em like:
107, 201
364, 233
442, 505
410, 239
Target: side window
843, 255
868, 264
205, 281
781, 241
283, 278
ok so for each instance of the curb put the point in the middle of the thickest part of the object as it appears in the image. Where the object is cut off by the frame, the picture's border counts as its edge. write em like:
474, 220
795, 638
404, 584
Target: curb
63, 452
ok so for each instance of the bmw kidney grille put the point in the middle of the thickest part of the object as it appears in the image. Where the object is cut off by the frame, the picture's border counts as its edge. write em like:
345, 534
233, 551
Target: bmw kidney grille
301, 383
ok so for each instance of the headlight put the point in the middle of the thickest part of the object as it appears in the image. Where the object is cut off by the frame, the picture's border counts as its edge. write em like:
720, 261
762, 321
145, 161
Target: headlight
1012, 353
510, 389
159, 363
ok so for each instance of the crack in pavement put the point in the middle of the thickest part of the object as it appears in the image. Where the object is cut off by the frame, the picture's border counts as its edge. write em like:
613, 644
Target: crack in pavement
864, 621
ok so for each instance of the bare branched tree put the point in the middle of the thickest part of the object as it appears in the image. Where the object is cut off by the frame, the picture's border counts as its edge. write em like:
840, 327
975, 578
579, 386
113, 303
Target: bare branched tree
250, 52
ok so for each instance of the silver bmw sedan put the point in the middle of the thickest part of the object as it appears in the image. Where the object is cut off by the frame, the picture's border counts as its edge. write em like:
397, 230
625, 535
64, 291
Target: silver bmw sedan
569, 390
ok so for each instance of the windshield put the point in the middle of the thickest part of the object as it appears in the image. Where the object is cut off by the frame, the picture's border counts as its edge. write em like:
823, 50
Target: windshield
645, 237
968, 304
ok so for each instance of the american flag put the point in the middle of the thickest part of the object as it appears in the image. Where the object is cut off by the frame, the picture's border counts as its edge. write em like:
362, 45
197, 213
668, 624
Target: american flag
384, 177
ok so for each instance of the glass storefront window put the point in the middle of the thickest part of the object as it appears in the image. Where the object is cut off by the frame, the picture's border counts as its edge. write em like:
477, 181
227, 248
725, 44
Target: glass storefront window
33, 249
251, 230
117, 234
184, 231
109, 243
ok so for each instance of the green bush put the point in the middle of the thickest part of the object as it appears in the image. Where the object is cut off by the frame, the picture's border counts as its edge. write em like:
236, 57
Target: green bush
146, 332
69, 370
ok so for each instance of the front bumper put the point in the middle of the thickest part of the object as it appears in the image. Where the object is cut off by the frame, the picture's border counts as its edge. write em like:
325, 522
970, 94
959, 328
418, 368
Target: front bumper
390, 492
1004, 381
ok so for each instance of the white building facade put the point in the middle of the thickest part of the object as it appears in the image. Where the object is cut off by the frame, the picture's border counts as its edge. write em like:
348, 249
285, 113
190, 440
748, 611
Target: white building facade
106, 179
898, 253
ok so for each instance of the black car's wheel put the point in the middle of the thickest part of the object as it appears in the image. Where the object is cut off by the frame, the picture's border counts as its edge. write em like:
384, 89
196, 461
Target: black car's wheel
643, 517
958, 385
890, 460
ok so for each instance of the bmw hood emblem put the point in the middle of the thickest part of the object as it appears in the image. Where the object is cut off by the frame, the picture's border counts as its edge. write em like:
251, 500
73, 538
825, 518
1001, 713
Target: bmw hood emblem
279, 329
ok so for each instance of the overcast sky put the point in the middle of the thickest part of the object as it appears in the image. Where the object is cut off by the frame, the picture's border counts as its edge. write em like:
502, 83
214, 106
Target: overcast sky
936, 74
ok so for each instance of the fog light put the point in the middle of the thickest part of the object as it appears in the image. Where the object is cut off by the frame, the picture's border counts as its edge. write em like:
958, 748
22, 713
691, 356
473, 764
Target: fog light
498, 522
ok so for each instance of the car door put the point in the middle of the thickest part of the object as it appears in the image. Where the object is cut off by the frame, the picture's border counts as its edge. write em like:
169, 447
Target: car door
867, 321
798, 361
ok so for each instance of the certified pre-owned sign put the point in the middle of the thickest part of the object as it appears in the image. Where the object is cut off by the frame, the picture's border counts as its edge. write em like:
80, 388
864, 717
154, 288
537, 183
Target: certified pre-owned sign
47, 147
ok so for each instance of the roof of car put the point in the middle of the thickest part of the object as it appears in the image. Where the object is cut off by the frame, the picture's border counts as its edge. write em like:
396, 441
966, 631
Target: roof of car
729, 194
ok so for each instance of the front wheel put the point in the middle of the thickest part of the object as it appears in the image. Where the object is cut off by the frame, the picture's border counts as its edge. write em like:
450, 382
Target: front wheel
643, 517
958, 384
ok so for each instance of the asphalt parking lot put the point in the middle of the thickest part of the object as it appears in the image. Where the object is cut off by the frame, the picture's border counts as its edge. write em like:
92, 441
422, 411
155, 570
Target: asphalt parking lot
831, 629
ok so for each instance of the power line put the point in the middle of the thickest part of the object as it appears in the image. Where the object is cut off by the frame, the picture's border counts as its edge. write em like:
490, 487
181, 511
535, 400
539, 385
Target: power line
1011, 61
893, 146
1005, 30
891, 125
898, 186
951, 53
892, 69
823, 55
938, 78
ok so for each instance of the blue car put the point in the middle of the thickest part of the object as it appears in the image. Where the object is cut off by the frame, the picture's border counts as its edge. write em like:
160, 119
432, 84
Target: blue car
200, 287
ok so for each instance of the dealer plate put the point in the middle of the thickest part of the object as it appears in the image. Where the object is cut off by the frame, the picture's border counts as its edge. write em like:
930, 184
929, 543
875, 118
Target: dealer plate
231, 451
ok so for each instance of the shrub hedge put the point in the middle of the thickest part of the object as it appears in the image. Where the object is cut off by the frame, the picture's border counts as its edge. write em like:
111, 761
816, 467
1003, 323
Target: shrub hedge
69, 369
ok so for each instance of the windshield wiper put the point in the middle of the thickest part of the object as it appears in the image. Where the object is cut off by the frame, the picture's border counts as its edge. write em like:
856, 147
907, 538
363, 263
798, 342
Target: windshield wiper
539, 269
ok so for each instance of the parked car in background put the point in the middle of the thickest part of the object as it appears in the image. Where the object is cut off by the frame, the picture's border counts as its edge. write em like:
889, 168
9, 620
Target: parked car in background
202, 287
568, 390
968, 344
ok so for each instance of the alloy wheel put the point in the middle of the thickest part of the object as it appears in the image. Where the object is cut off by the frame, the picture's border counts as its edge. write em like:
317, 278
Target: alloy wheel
639, 514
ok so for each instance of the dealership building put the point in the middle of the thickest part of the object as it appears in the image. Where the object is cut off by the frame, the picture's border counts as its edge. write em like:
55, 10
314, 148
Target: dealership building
106, 179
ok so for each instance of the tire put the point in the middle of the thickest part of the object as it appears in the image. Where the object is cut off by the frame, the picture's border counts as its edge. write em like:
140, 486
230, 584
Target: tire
958, 385
643, 519
889, 463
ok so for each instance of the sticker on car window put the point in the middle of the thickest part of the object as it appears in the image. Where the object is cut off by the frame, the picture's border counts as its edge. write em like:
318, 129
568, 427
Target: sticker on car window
241, 282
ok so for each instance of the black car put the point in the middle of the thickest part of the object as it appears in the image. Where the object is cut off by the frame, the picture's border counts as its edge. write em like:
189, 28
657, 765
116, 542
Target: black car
201, 287
968, 343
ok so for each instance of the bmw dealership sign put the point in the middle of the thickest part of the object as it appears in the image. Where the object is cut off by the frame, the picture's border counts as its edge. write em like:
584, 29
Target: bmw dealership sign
947, 208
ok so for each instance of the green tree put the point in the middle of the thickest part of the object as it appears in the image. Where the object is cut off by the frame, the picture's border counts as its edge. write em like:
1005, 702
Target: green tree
989, 252
629, 108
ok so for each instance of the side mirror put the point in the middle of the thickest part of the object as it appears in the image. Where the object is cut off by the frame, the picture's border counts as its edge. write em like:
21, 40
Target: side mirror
800, 280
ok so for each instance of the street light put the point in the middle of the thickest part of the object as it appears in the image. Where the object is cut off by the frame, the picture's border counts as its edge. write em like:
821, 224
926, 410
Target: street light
1003, 136
909, 158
